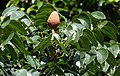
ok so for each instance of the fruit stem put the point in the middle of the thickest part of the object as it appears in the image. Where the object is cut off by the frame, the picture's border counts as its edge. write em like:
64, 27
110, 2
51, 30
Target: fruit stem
52, 31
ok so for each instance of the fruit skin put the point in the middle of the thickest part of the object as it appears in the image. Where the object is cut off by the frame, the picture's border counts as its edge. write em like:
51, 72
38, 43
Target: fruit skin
53, 20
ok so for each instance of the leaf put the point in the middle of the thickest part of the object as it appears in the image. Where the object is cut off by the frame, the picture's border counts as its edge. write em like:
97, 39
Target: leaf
99, 36
59, 71
114, 49
91, 37
69, 38
13, 25
30, 61
77, 37
111, 27
11, 51
43, 44
35, 73
8, 11
109, 33
111, 59
83, 18
102, 55
17, 26
110, 30
61, 45
4, 24
17, 15
117, 71
102, 24
85, 43
98, 15
21, 72
43, 13
8, 39
89, 58
19, 44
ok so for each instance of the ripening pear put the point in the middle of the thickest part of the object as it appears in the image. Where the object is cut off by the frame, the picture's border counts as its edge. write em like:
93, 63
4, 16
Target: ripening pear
53, 20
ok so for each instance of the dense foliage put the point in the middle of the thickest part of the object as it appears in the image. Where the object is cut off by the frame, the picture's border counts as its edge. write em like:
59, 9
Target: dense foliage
86, 42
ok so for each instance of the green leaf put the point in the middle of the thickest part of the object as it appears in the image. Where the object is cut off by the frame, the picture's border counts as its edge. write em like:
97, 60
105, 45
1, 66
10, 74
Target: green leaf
85, 43
30, 61
89, 58
17, 26
114, 49
110, 30
109, 33
102, 24
59, 71
77, 37
19, 44
61, 45
90, 36
13, 25
8, 39
69, 38
8, 11
117, 71
111, 59
11, 51
98, 15
102, 55
43, 14
111, 27
83, 18
44, 44
99, 36
21, 72
4, 24
17, 15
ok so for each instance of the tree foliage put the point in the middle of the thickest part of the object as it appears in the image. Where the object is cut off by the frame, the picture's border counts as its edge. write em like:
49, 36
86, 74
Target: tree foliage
86, 43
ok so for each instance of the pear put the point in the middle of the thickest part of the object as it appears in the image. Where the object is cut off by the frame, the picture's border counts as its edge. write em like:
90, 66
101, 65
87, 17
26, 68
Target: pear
53, 20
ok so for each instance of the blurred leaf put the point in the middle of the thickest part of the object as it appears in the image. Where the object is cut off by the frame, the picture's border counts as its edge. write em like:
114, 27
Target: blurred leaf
17, 15
99, 36
4, 24
69, 38
77, 36
13, 25
8, 11
39, 4
43, 44
43, 13
17, 26
90, 36
59, 71
85, 43
102, 24
19, 44
8, 39
111, 34
114, 49
110, 30
21, 72
102, 55
12, 51
61, 45
98, 15
117, 71
83, 18
111, 59
30, 61
89, 58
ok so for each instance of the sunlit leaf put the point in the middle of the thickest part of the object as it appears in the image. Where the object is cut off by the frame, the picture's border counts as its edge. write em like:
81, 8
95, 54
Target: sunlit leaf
102, 55
98, 15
